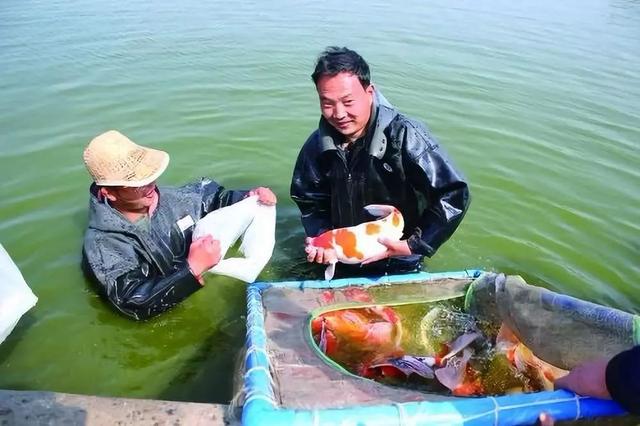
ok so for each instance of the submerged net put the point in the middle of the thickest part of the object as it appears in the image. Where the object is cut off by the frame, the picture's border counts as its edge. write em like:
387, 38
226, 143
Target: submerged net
306, 379
431, 347
558, 329
561, 330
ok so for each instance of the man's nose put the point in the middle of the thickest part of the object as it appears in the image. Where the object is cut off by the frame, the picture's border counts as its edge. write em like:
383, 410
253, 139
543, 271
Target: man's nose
339, 111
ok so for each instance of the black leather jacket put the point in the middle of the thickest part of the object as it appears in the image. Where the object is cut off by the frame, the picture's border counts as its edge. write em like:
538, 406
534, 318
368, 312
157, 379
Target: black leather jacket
398, 162
142, 268
622, 378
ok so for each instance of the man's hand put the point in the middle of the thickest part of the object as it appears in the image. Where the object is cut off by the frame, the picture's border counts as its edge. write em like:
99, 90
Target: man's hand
319, 254
545, 419
204, 254
265, 196
394, 248
587, 379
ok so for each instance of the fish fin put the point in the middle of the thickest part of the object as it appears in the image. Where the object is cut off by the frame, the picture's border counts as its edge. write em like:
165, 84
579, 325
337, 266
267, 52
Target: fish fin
461, 343
379, 210
330, 271
452, 376
506, 339
523, 357
323, 338
411, 364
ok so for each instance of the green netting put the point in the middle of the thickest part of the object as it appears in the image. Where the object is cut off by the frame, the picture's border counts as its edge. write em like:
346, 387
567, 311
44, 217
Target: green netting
559, 329
304, 376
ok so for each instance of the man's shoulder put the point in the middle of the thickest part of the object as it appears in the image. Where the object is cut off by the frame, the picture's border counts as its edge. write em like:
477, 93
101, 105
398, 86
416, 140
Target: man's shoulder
98, 245
413, 132
313, 140
312, 147
193, 188
404, 121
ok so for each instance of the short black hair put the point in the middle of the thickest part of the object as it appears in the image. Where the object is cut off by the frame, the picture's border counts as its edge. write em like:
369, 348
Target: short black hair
335, 60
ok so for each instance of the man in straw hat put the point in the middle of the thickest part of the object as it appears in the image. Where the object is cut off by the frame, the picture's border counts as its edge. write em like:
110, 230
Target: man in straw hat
138, 245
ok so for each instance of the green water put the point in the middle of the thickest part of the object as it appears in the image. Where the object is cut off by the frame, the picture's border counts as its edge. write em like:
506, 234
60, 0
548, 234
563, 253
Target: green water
536, 101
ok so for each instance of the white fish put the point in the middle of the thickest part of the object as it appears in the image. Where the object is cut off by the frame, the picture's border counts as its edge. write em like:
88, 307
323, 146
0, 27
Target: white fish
249, 219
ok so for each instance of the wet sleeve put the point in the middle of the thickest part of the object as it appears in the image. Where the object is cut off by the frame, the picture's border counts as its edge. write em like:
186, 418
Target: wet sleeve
445, 189
215, 196
623, 379
131, 284
310, 191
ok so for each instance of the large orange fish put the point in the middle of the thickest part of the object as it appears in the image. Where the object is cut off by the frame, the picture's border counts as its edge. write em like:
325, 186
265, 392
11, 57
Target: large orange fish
364, 331
524, 360
358, 243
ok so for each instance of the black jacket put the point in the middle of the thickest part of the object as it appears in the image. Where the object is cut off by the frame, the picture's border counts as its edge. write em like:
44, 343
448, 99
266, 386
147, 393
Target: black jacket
142, 269
398, 163
623, 379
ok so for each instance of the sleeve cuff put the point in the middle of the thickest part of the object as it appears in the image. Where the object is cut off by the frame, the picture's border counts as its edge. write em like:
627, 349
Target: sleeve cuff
197, 277
623, 379
417, 244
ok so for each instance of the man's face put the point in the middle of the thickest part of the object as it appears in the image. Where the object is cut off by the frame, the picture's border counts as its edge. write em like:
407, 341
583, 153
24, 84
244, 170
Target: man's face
129, 198
345, 103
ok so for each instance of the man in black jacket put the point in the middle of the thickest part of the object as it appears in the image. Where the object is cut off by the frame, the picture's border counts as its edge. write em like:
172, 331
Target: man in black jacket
138, 246
366, 152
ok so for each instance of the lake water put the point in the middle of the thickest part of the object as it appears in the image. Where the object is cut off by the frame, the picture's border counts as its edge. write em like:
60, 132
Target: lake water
537, 102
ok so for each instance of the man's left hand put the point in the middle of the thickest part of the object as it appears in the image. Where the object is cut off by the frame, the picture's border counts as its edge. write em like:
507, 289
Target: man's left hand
265, 196
394, 248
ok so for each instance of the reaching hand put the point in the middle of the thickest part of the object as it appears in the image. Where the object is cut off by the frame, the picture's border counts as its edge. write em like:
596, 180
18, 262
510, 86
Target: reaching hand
204, 254
394, 248
265, 196
545, 420
587, 379
319, 254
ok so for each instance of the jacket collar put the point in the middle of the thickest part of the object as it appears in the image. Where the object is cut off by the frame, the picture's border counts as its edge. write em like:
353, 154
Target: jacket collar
382, 113
104, 217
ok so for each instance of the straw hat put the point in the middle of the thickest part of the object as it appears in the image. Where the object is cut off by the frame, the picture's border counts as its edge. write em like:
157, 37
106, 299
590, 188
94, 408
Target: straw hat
112, 159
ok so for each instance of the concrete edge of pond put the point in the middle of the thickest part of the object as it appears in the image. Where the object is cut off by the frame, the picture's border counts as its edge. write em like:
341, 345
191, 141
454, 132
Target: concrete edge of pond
52, 408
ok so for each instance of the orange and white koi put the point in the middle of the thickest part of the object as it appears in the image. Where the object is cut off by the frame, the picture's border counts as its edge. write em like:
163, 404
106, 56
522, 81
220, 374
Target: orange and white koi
524, 360
355, 244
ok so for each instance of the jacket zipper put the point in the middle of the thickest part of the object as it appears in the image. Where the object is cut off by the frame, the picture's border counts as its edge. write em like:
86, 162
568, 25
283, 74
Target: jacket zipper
352, 216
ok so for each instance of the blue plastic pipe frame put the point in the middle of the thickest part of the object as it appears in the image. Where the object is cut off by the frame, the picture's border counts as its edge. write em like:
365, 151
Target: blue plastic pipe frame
260, 407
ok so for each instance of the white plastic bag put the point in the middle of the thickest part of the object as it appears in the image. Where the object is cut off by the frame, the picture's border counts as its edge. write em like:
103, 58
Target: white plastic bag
16, 297
255, 222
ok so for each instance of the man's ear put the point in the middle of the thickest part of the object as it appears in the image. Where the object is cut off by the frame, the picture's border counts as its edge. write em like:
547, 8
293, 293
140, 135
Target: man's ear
370, 89
105, 193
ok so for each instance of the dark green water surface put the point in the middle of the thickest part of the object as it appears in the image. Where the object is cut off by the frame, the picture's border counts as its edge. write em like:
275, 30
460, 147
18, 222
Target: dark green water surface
538, 103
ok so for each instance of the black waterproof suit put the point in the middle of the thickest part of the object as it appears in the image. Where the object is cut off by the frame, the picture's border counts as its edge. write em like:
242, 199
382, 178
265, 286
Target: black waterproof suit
142, 268
398, 162
623, 379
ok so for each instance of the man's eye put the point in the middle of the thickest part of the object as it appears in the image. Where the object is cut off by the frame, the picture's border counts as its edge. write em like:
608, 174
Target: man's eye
347, 103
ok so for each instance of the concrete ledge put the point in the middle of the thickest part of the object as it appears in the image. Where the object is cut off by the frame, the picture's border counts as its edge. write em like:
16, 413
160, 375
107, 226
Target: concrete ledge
51, 408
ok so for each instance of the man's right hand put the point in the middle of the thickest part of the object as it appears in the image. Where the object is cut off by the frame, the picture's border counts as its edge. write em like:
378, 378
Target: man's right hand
588, 379
319, 254
204, 254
